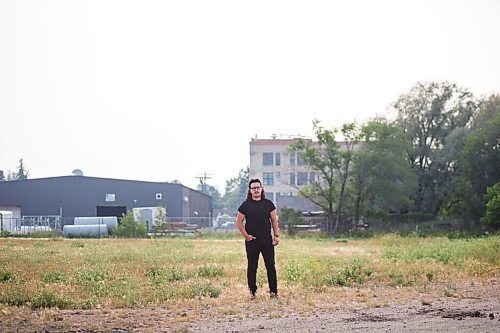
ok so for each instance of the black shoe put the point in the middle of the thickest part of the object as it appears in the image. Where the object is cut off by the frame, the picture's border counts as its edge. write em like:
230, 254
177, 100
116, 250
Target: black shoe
252, 296
273, 295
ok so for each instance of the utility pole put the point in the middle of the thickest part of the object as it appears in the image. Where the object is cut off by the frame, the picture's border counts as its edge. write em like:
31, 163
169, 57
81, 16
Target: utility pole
203, 181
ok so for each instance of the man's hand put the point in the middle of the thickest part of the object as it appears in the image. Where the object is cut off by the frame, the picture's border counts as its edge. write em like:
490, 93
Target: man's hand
276, 240
249, 237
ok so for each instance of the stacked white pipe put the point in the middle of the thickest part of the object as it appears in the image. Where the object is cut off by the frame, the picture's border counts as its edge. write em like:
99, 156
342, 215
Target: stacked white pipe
91, 226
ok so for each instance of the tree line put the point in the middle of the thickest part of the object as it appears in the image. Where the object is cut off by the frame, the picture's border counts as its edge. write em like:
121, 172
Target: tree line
439, 157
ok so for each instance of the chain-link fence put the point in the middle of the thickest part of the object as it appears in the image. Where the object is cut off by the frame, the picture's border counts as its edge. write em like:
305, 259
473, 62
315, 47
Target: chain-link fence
30, 224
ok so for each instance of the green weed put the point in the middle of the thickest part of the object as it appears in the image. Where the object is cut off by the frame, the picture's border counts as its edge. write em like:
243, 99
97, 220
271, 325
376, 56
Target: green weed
206, 290
352, 273
177, 274
6, 276
77, 245
54, 277
47, 299
87, 277
210, 271
294, 272
156, 274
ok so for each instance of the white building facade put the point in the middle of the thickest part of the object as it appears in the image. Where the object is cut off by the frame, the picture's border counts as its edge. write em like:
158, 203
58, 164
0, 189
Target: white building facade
281, 171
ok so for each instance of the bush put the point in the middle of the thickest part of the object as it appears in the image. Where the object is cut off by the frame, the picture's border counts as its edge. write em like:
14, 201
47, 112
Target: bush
492, 213
291, 218
129, 228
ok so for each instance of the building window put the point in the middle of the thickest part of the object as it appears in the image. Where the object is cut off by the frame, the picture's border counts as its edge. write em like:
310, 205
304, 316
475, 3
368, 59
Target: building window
277, 177
312, 177
295, 159
292, 178
270, 196
277, 158
268, 178
301, 178
267, 158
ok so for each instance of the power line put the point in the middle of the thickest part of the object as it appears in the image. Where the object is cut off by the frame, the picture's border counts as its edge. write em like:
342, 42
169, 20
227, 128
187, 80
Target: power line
203, 180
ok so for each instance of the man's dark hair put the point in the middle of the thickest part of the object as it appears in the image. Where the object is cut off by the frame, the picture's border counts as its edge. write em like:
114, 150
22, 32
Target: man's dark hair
249, 193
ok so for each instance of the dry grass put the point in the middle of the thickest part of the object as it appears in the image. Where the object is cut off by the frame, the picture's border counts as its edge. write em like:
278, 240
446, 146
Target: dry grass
200, 274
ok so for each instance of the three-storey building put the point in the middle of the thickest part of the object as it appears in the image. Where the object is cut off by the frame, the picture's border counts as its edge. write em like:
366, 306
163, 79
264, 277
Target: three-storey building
281, 171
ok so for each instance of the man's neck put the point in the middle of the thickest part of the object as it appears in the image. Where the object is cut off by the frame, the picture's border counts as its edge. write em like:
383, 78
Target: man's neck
256, 198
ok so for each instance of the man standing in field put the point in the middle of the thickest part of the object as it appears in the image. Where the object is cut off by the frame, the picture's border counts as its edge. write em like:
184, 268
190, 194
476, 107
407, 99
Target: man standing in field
259, 213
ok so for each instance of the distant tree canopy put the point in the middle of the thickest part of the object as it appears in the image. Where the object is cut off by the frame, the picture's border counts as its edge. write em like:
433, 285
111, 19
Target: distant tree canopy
236, 191
478, 168
22, 173
213, 192
430, 115
439, 157
382, 180
492, 214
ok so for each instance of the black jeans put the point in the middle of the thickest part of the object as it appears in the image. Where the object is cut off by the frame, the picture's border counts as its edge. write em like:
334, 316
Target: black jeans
264, 245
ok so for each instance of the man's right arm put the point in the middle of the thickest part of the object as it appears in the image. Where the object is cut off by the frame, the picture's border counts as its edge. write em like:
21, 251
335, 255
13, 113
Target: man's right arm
239, 222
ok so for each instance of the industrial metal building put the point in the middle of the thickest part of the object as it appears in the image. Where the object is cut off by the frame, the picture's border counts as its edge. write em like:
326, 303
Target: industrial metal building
70, 196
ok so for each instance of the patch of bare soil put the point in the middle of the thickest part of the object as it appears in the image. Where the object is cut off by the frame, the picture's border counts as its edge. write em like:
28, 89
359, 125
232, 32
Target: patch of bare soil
448, 316
471, 307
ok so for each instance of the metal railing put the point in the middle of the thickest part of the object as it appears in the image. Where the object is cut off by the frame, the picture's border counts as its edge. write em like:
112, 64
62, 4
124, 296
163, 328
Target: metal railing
30, 224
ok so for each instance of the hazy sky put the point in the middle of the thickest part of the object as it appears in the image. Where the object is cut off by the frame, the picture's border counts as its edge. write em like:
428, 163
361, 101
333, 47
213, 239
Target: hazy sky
164, 90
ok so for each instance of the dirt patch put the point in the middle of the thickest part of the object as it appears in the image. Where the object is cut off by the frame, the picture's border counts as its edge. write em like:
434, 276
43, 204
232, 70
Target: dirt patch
448, 316
475, 307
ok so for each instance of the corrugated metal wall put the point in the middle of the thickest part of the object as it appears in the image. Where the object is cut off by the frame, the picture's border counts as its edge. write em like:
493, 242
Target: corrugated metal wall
80, 196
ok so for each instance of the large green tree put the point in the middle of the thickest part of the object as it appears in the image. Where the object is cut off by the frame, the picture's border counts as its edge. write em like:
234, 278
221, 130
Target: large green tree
479, 162
331, 162
492, 213
382, 181
428, 114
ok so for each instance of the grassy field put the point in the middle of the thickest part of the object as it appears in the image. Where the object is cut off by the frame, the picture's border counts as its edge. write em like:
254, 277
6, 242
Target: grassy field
117, 273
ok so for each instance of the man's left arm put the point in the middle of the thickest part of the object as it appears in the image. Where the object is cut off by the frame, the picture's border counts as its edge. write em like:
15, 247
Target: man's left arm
276, 231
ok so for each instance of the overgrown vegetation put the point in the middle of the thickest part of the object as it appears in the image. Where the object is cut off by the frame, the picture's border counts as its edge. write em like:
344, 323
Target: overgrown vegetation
290, 218
492, 214
88, 273
438, 159
129, 228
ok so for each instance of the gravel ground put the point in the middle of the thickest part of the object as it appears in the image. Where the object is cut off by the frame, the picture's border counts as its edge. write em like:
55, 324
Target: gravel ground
459, 316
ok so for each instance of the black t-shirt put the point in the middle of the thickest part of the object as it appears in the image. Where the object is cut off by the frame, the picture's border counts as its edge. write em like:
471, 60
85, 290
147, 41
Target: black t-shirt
257, 216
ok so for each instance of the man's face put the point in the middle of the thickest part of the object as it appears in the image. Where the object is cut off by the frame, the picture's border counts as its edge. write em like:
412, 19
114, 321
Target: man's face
255, 189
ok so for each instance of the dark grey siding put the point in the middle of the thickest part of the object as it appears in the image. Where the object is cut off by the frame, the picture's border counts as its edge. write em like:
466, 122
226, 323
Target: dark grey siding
80, 196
